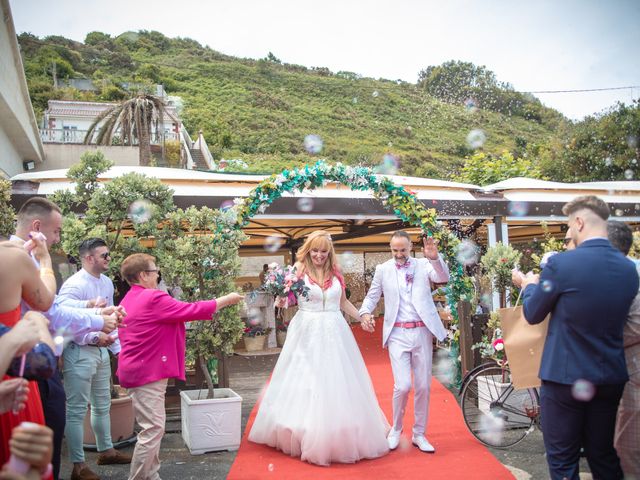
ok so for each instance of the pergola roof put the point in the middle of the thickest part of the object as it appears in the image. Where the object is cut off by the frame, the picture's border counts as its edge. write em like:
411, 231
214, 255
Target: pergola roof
356, 217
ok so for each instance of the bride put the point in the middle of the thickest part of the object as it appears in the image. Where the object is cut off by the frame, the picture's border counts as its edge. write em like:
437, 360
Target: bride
320, 404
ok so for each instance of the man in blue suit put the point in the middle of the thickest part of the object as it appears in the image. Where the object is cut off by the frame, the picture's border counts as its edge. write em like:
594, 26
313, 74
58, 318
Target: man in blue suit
588, 292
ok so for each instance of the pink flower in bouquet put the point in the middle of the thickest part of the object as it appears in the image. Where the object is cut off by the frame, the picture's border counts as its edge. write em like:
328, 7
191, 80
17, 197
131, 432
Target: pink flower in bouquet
290, 277
285, 283
498, 344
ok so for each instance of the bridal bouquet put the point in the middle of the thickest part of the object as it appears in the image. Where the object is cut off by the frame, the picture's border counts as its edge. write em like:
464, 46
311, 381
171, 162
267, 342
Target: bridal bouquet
283, 282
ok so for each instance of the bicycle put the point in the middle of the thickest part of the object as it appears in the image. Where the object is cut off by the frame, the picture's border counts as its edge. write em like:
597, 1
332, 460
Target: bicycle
495, 413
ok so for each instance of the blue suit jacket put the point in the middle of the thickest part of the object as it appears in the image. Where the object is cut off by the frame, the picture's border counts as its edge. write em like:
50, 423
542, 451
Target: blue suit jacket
588, 292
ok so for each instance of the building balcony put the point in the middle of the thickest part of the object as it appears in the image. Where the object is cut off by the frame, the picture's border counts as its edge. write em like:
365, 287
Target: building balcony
60, 135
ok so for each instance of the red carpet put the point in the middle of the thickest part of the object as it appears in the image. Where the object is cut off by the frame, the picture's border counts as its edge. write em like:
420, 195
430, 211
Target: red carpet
458, 455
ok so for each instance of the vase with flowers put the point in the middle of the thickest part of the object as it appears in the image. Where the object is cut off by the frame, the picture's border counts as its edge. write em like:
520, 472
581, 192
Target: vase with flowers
254, 337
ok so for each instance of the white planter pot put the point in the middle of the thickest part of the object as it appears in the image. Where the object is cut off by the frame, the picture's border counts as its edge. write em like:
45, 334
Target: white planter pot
211, 424
490, 388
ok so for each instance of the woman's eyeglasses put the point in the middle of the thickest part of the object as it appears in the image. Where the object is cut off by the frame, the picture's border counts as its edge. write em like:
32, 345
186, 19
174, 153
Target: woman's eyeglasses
567, 240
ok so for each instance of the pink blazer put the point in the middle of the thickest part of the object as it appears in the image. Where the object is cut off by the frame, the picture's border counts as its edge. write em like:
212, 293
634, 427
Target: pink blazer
153, 340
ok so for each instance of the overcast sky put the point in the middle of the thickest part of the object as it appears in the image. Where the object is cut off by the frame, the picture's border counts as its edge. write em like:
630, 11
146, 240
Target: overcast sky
534, 45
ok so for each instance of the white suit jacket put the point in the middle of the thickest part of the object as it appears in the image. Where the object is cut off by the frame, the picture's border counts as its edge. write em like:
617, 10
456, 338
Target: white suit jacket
385, 281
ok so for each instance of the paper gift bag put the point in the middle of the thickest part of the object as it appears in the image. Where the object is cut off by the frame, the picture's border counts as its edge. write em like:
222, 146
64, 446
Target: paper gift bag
523, 344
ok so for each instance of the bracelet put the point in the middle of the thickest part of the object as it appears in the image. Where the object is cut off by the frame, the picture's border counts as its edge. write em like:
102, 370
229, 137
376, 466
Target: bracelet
44, 271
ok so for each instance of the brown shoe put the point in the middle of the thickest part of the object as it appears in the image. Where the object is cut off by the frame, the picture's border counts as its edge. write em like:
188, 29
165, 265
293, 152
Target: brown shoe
117, 458
85, 473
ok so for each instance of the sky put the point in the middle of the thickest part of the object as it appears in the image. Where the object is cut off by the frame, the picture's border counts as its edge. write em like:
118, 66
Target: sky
534, 45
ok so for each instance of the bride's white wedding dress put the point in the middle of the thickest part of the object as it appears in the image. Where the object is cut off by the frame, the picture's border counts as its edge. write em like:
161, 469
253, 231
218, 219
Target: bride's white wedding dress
320, 404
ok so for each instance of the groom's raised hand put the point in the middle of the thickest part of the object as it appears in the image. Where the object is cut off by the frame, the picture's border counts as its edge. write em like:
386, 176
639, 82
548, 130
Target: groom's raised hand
430, 248
367, 323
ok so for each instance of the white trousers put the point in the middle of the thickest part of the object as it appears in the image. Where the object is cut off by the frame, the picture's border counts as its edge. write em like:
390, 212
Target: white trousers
411, 350
148, 405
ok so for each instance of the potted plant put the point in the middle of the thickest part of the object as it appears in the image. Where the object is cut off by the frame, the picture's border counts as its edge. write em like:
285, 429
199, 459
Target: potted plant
122, 419
198, 251
109, 211
255, 337
498, 263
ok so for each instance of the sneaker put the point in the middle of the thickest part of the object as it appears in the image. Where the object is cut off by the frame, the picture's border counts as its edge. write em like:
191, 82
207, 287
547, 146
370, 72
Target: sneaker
111, 458
393, 439
422, 443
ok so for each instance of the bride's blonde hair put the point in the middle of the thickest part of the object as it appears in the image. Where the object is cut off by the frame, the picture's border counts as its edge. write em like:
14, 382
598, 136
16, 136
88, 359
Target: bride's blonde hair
320, 240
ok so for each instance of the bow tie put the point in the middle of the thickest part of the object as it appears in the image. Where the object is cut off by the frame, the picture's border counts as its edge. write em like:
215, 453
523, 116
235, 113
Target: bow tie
404, 265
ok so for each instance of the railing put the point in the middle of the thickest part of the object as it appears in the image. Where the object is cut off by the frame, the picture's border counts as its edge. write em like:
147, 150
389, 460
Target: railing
201, 144
187, 143
60, 135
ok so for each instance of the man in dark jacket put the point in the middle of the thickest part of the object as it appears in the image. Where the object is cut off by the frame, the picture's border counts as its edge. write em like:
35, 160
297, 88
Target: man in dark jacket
588, 292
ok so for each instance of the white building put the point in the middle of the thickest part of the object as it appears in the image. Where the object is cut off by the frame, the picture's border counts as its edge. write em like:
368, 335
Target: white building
20, 145
67, 121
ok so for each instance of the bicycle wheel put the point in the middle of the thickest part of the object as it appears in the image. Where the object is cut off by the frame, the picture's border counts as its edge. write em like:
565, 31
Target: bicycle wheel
495, 413
470, 373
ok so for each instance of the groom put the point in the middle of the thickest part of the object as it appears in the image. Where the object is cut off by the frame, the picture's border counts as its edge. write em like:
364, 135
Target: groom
410, 322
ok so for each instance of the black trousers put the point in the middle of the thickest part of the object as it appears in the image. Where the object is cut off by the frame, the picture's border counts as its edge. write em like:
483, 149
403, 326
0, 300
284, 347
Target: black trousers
569, 424
53, 404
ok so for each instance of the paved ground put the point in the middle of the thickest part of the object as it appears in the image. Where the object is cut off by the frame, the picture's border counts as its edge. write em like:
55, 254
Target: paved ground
248, 374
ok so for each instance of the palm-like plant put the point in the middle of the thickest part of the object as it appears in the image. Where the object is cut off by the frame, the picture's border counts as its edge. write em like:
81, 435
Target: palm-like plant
132, 119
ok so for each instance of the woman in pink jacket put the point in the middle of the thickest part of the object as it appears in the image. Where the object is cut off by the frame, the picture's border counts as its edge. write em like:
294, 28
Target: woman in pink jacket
153, 350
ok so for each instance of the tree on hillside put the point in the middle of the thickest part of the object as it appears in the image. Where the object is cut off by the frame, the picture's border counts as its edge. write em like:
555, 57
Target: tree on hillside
132, 119
463, 82
601, 147
455, 81
484, 169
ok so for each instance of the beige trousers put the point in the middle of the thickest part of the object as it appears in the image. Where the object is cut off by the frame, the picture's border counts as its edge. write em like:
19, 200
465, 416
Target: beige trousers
148, 405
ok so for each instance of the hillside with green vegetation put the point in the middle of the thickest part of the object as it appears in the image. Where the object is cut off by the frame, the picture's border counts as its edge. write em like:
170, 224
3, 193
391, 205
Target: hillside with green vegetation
261, 110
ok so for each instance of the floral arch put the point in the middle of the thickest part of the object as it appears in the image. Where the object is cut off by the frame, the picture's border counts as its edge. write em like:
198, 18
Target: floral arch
402, 202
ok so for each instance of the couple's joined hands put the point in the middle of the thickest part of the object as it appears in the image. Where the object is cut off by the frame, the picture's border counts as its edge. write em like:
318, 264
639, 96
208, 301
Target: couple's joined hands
367, 323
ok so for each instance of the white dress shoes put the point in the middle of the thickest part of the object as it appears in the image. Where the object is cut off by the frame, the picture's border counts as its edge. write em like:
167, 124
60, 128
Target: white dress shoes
421, 442
393, 439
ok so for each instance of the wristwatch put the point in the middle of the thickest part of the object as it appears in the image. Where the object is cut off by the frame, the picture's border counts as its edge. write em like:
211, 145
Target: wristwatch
95, 338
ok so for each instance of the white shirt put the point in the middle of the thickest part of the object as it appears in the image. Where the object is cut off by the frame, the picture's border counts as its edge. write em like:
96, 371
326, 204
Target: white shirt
406, 310
72, 317
84, 286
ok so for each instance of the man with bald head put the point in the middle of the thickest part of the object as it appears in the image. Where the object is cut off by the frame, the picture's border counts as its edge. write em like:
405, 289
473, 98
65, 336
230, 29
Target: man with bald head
588, 292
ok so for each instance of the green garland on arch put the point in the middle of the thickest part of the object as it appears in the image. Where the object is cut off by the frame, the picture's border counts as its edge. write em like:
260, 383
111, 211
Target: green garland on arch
397, 199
